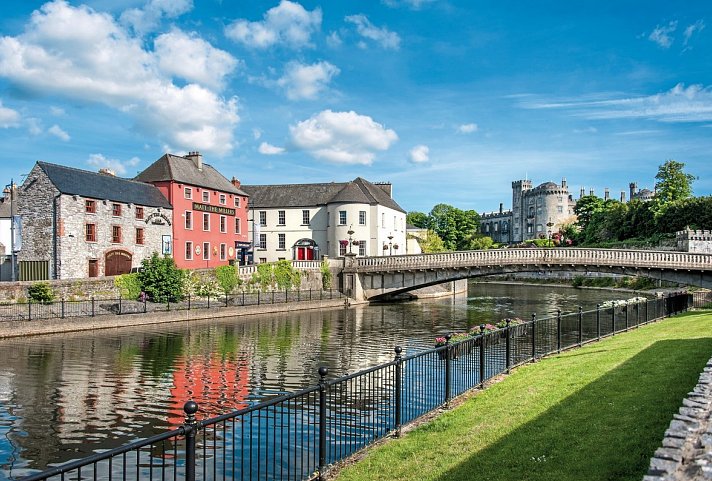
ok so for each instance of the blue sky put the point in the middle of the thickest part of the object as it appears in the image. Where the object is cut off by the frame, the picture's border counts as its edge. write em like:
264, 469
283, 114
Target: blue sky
448, 100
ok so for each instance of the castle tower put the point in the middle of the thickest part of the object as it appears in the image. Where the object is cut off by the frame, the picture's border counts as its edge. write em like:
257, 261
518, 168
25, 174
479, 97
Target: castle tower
518, 186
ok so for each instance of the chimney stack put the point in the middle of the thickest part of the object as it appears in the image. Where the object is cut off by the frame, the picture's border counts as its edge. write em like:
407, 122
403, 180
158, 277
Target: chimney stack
501, 207
590, 192
623, 196
606, 194
633, 189
197, 159
563, 183
582, 193
235, 182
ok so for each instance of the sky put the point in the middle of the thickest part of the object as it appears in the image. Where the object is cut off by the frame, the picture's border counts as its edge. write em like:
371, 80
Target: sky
450, 101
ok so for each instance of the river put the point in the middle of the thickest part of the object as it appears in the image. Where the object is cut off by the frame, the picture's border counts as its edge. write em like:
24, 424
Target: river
63, 396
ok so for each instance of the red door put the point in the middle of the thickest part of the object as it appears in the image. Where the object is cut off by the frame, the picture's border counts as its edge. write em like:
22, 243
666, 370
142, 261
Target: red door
310, 253
117, 262
300, 253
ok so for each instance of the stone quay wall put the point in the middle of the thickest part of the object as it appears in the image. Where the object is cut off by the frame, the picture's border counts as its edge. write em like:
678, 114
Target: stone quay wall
686, 451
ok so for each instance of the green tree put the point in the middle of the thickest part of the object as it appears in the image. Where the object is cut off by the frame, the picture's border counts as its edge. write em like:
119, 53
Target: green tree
671, 184
432, 243
161, 280
480, 242
454, 226
585, 208
695, 212
417, 219
227, 277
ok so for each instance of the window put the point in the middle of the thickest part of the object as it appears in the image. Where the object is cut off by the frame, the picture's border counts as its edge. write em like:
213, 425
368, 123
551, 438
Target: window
342, 217
342, 247
560, 209
281, 217
206, 221
206, 196
362, 217
560, 198
90, 232
383, 220
281, 241
263, 260
188, 194
188, 220
237, 201
362, 248
237, 225
90, 206
93, 268
538, 211
206, 251
539, 228
116, 234
306, 217
263, 217
139, 236
223, 224
116, 210
394, 223
223, 199
139, 212
223, 252
189, 251
263, 241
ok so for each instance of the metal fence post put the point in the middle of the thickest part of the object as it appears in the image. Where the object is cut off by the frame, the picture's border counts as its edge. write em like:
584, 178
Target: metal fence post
508, 348
29, 309
322, 421
190, 426
286, 296
598, 322
226, 299
272, 296
208, 300
534, 336
188, 301
243, 297
626, 316
63, 308
93, 310
258, 297
119, 303
448, 355
399, 373
558, 330
144, 303
482, 355
580, 326
613, 319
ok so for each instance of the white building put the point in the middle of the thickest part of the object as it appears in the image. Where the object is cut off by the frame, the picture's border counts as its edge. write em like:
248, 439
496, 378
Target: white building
309, 221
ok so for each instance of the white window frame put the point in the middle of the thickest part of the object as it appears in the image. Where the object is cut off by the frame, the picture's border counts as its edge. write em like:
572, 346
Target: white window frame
237, 201
263, 242
188, 193
263, 218
188, 215
281, 241
342, 217
206, 251
362, 217
206, 196
223, 199
223, 251
206, 216
188, 251
223, 224
281, 217
238, 227
306, 217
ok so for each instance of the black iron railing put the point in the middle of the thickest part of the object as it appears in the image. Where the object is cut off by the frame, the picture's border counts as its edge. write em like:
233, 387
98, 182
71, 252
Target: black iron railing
297, 436
701, 299
64, 308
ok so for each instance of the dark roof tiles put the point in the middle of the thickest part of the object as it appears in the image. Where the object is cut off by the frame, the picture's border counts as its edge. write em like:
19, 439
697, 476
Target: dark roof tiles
69, 180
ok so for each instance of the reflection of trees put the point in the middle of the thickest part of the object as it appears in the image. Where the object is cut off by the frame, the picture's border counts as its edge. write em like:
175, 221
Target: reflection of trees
158, 353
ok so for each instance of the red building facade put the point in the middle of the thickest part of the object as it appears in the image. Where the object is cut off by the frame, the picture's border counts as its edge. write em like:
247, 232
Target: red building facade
210, 212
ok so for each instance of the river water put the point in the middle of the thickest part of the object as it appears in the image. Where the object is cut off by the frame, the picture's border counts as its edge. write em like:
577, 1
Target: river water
64, 396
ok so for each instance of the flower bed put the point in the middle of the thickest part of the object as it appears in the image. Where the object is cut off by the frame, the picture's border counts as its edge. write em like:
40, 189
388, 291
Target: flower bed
456, 339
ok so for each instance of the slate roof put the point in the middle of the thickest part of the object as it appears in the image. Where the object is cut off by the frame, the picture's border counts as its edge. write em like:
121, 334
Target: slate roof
358, 190
69, 180
5, 208
183, 170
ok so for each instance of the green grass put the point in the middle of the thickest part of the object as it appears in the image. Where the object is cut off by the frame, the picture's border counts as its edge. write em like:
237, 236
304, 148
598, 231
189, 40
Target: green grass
595, 413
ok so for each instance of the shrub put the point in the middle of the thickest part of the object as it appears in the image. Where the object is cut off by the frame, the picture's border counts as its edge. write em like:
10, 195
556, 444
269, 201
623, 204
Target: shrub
286, 276
129, 285
40, 292
227, 277
326, 275
162, 281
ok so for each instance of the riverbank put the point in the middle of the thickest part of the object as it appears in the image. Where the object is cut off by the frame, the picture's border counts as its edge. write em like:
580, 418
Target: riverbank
560, 418
10, 329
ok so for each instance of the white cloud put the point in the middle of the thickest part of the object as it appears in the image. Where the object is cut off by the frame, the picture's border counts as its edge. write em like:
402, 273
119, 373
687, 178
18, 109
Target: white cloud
586, 130
256, 134
34, 126
80, 54
414, 4
8, 117
467, 128
662, 34
696, 27
193, 59
383, 36
144, 20
342, 137
117, 166
288, 23
56, 111
334, 40
306, 81
419, 154
679, 104
57, 131
268, 149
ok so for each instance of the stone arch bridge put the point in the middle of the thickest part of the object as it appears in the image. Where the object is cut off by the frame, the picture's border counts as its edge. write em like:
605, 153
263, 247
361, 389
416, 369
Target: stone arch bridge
373, 278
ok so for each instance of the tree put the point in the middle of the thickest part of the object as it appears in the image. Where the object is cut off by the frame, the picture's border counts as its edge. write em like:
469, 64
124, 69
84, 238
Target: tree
417, 219
161, 280
672, 184
454, 226
227, 277
585, 208
432, 243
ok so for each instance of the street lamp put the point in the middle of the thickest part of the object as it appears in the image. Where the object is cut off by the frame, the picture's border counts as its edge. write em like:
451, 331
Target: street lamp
390, 246
350, 232
549, 225
11, 188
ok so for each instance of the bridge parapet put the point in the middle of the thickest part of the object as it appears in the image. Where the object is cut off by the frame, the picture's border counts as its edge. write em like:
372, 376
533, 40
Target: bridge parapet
548, 256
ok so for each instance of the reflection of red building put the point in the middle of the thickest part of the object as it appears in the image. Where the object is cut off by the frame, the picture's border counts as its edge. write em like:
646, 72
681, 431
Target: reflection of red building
210, 212
217, 385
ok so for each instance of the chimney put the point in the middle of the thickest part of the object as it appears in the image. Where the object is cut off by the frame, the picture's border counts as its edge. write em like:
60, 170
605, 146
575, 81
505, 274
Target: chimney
107, 171
501, 207
385, 187
633, 189
197, 159
623, 196
235, 182
582, 193
590, 192
606, 194
563, 183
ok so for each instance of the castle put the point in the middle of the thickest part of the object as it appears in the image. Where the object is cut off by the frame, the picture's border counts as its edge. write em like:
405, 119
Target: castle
540, 212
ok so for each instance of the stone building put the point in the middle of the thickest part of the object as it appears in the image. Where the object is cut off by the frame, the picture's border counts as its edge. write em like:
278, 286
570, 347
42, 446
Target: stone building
537, 213
308, 221
697, 241
211, 211
79, 224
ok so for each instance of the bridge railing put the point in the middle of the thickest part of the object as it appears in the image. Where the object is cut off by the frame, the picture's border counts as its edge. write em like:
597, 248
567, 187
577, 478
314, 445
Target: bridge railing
548, 256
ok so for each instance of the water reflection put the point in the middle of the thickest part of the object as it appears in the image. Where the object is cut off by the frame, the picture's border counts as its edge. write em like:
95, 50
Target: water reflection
63, 396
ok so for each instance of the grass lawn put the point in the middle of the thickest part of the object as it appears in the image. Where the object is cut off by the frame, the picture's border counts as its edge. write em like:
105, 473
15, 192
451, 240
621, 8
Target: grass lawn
595, 413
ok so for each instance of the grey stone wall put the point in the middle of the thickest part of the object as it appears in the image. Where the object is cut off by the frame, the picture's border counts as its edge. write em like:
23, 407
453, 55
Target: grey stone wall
698, 241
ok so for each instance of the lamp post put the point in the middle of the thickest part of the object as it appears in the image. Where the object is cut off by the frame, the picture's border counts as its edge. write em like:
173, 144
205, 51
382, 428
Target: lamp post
390, 244
549, 225
11, 188
350, 232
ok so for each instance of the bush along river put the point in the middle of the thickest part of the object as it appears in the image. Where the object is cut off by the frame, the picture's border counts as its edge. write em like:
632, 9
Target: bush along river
64, 396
